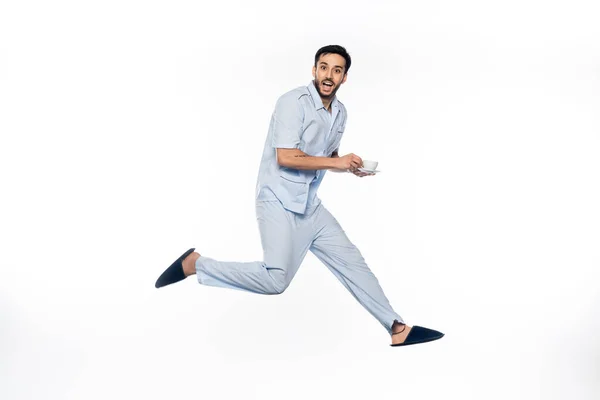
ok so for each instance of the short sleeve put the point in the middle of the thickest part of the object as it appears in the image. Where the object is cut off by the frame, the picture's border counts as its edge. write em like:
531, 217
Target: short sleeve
288, 119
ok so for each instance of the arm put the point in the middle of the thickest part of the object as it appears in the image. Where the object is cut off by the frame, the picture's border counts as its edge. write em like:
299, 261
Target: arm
297, 159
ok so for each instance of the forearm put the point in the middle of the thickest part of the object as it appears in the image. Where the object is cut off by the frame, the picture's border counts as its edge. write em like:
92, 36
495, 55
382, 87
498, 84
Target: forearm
336, 155
300, 160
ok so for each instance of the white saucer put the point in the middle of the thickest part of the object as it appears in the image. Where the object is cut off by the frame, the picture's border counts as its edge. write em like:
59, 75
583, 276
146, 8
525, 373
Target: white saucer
368, 171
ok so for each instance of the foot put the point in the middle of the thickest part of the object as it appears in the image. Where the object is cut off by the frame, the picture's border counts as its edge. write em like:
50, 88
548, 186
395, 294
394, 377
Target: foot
189, 264
400, 332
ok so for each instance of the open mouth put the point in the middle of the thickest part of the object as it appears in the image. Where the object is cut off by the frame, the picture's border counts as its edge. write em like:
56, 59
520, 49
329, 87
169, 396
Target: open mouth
327, 85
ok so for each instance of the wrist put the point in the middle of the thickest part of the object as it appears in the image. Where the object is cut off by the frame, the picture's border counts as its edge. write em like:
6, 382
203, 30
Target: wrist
334, 163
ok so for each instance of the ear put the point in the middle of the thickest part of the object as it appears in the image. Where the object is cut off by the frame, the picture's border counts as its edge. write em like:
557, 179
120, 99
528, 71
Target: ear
345, 77
314, 70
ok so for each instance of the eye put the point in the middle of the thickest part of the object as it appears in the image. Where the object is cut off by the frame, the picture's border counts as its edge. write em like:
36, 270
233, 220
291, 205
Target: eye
322, 67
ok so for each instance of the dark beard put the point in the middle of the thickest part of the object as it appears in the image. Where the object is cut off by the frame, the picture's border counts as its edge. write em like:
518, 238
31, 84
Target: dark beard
326, 96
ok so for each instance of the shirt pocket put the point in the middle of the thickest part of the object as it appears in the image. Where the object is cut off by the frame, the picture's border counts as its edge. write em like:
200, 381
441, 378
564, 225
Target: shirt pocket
293, 182
297, 180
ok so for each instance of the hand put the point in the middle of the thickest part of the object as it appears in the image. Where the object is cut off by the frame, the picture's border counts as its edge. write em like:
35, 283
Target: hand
360, 174
349, 162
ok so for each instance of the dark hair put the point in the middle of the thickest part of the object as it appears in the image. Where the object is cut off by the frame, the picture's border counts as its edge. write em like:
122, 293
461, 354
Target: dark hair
334, 49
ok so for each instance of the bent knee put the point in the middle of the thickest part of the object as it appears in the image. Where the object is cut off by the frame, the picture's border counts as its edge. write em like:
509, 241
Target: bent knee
280, 287
280, 282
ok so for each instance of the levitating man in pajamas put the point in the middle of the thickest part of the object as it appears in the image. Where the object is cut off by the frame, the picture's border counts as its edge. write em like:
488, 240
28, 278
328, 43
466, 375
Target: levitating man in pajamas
302, 144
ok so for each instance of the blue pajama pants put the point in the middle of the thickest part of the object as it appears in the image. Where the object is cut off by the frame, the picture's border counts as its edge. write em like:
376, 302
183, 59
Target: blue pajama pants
286, 237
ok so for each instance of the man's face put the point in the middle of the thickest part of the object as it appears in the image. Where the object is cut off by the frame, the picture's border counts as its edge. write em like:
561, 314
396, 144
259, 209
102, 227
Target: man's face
330, 68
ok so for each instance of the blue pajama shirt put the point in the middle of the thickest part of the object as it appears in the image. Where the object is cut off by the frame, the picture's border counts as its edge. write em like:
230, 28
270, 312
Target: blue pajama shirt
291, 218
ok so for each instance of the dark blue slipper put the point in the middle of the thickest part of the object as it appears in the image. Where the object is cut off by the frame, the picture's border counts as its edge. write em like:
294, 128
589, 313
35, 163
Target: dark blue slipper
418, 334
174, 273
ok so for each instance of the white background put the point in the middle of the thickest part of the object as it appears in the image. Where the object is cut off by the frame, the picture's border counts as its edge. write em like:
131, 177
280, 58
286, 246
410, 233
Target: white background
131, 131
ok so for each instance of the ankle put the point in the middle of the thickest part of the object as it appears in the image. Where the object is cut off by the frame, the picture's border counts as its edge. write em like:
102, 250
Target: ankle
398, 327
189, 264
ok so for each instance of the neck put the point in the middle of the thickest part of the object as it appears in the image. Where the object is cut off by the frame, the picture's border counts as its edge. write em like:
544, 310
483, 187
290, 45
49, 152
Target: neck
326, 104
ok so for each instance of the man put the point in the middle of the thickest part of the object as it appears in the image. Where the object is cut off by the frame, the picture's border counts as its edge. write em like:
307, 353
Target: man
302, 144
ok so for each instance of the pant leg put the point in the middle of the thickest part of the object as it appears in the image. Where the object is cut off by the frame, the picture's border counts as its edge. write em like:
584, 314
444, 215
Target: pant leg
285, 242
344, 260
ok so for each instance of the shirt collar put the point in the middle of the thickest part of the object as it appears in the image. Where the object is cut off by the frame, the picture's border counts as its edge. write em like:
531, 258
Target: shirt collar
317, 99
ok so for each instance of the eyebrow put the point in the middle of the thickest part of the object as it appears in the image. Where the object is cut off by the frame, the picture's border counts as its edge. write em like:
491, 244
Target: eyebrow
338, 66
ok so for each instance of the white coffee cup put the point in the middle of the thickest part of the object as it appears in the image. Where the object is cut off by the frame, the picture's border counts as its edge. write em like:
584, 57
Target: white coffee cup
370, 165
